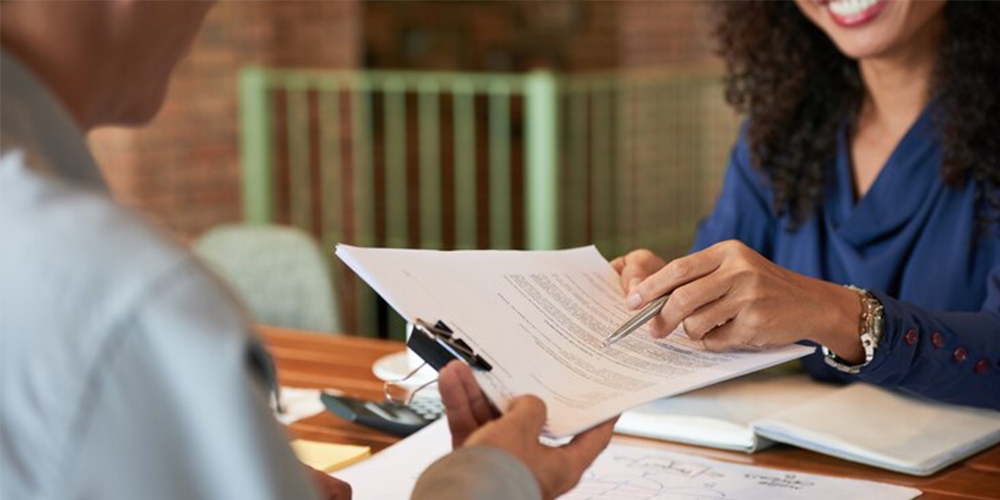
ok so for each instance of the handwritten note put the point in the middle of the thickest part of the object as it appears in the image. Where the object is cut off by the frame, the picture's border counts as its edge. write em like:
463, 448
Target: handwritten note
625, 472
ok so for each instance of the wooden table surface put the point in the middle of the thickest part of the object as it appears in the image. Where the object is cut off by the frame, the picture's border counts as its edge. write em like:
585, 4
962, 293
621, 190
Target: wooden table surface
306, 359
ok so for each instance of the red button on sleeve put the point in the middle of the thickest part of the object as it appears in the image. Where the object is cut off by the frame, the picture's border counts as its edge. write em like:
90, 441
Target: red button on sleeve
981, 366
911, 337
959, 354
937, 340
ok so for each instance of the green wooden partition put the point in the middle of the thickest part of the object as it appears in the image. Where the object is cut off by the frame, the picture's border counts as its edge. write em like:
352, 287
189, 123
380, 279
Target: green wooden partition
478, 160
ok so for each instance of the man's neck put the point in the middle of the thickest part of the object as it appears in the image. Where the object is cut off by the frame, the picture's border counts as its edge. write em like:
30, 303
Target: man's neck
58, 68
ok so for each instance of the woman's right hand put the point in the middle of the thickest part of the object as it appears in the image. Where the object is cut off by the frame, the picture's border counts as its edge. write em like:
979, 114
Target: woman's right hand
636, 266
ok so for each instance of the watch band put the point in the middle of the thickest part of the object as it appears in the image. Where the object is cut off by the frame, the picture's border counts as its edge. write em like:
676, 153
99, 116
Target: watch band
870, 328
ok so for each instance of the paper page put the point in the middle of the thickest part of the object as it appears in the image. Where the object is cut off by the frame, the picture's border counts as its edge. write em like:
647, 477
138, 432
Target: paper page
625, 472
328, 456
721, 416
621, 472
298, 404
402, 463
877, 427
540, 318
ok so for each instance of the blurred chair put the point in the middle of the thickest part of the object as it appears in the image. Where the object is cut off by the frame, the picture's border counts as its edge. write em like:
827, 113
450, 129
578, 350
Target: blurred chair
278, 271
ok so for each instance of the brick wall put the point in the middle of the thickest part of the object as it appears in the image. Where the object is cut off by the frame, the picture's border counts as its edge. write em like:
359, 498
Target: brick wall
663, 33
183, 169
566, 35
490, 36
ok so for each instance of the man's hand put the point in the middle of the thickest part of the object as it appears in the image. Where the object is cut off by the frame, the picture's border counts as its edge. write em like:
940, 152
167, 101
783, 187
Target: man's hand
330, 488
473, 422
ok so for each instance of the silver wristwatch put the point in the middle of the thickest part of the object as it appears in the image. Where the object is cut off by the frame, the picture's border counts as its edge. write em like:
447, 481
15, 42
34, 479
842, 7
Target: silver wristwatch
872, 324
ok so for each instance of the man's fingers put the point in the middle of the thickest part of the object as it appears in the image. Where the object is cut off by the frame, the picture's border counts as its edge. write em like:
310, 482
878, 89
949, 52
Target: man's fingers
528, 413
576, 456
481, 408
330, 488
461, 420
585, 447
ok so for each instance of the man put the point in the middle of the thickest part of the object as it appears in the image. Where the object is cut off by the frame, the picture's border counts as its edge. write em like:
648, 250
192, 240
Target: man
127, 370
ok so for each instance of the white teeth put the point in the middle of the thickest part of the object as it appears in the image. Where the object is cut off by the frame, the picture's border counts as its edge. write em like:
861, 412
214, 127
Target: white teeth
850, 8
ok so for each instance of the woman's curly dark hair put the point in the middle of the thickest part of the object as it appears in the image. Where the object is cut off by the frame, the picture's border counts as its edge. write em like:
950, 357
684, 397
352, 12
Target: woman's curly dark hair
798, 90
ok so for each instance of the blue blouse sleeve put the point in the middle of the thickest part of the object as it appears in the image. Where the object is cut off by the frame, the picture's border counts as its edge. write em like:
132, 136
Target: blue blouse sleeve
952, 357
743, 211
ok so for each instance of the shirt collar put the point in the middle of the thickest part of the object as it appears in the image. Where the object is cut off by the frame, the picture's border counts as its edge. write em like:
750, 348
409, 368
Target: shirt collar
34, 121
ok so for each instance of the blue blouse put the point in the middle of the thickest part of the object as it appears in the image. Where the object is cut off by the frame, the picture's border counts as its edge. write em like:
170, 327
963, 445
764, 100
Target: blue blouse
912, 241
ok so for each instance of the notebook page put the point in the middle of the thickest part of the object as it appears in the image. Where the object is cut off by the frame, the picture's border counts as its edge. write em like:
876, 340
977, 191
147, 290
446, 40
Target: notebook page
540, 318
722, 415
877, 427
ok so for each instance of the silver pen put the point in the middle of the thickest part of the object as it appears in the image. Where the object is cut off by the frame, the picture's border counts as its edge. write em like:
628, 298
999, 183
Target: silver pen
647, 313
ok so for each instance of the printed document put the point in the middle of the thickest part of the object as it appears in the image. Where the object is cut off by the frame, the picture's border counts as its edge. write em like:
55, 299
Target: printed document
540, 319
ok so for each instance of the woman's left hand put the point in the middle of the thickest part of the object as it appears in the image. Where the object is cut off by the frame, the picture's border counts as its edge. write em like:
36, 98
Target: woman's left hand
730, 297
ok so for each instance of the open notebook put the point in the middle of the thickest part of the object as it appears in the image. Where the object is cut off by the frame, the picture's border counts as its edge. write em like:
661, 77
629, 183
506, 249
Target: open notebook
860, 423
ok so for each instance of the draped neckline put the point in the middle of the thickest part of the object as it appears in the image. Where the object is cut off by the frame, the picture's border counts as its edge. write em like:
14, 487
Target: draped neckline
898, 192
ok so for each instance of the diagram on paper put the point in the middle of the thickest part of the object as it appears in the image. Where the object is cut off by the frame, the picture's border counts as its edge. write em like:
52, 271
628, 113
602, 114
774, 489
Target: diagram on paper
636, 473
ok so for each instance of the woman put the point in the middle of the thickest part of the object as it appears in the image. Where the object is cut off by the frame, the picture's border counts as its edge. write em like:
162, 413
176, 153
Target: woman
871, 158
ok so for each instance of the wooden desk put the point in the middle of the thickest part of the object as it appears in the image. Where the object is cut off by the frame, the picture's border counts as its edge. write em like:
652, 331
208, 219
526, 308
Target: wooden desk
315, 360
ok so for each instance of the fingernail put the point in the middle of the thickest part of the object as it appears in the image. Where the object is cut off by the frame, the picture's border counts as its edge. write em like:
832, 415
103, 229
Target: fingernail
633, 301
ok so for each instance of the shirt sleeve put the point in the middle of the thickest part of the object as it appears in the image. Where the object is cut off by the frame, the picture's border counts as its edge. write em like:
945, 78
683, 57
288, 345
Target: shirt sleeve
176, 411
480, 472
953, 357
743, 210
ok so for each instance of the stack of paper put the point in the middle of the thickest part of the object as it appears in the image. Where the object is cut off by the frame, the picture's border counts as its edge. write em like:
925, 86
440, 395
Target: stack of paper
540, 319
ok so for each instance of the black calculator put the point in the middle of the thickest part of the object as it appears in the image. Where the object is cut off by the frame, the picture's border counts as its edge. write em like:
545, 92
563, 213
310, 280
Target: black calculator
385, 416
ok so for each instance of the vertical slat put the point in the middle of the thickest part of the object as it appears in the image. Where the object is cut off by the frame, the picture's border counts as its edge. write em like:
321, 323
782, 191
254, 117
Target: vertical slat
464, 126
542, 160
430, 164
363, 193
331, 173
499, 148
331, 169
603, 182
255, 146
668, 127
577, 169
625, 170
361, 135
300, 195
646, 193
395, 159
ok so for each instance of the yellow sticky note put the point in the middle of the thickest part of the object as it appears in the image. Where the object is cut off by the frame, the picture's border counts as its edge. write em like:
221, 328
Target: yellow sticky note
327, 456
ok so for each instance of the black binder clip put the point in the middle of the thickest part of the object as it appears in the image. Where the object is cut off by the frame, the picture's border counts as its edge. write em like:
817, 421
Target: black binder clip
438, 346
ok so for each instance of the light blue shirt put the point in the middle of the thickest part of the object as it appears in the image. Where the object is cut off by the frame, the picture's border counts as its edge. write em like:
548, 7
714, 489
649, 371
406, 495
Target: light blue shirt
125, 368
